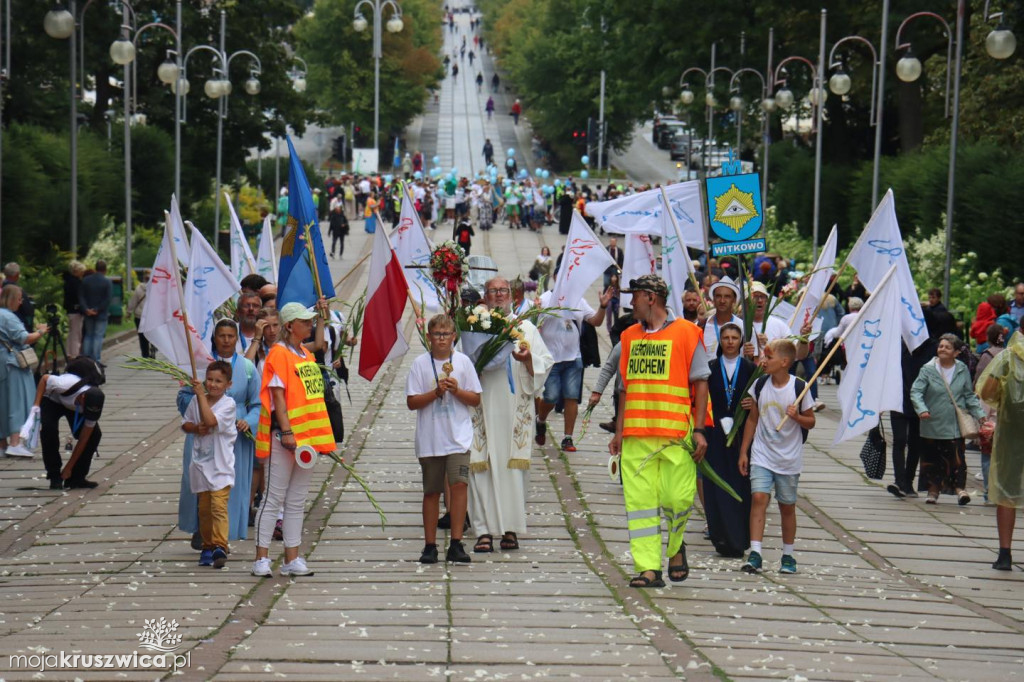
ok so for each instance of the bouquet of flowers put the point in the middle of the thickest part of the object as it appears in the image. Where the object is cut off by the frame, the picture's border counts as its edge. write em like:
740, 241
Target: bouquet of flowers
487, 336
448, 269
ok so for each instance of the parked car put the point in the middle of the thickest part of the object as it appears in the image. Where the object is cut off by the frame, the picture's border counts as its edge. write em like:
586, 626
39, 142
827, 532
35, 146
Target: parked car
667, 130
660, 120
679, 146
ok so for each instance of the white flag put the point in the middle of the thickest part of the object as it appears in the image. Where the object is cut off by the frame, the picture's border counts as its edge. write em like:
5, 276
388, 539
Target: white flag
676, 265
873, 382
162, 318
413, 251
266, 261
645, 213
880, 247
209, 284
181, 246
584, 260
242, 262
638, 260
817, 284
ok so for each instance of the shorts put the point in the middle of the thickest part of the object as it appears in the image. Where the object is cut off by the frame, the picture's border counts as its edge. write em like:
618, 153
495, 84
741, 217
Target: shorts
455, 466
761, 481
512, 209
564, 382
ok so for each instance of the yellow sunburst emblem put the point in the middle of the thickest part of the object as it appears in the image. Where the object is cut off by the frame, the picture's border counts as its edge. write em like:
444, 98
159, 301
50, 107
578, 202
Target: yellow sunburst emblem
288, 243
735, 208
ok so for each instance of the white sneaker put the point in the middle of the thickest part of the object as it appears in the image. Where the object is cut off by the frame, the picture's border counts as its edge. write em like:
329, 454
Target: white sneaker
19, 450
296, 567
261, 568
818, 406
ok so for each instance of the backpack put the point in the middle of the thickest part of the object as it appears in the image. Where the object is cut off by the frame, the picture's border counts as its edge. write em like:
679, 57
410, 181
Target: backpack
88, 371
798, 386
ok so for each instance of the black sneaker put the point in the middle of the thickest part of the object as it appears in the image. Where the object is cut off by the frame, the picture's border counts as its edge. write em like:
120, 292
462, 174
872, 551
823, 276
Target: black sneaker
542, 430
895, 491
567, 445
1003, 563
445, 522
57, 484
80, 483
429, 555
456, 553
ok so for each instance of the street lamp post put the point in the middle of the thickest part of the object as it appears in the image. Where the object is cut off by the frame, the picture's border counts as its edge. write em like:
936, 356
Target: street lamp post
394, 25
816, 96
841, 84
60, 23
219, 88
737, 104
1000, 44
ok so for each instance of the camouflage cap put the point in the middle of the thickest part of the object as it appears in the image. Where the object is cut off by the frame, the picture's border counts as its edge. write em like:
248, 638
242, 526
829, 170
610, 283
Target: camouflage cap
651, 283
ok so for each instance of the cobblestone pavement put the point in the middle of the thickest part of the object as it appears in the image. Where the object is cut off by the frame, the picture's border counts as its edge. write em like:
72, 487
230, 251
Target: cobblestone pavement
887, 588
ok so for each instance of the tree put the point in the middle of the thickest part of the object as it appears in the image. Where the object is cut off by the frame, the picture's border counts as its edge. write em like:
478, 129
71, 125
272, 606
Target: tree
341, 78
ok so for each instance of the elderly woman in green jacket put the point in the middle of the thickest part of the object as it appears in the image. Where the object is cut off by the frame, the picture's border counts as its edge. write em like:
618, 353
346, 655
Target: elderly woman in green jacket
942, 459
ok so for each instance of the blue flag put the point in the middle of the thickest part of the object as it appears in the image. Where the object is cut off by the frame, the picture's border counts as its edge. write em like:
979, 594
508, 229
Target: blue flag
295, 274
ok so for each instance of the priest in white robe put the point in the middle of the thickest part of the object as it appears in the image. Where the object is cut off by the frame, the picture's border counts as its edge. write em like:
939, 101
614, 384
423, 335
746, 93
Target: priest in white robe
503, 430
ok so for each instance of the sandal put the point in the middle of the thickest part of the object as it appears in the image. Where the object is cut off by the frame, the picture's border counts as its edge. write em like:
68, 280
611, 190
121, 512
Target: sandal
643, 581
679, 572
509, 541
484, 544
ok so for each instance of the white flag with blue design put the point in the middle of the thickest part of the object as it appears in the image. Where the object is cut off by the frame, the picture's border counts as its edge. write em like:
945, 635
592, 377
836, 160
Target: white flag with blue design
181, 247
676, 265
880, 247
644, 212
413, 251
209, 284
266, 259
638, 260
242, 262
872, 383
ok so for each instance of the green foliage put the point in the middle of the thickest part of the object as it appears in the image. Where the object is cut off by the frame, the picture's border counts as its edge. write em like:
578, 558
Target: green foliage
341, 80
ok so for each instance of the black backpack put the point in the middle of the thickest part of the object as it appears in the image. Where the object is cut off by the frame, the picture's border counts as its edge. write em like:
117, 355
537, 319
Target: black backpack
799, 387
87, 370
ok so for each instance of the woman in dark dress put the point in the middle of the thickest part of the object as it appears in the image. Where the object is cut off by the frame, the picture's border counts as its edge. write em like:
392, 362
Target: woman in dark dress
728, 520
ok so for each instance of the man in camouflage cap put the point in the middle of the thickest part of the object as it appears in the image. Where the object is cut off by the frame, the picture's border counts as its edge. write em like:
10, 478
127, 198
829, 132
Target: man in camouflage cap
664, 371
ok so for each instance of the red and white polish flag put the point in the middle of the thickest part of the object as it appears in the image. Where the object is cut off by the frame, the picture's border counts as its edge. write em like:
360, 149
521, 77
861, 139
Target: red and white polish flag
386, 294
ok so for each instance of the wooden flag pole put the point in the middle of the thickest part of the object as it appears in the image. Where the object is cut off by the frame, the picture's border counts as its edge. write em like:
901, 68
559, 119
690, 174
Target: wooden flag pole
682, 245
352, 270
828, 291
324, 314
181, 295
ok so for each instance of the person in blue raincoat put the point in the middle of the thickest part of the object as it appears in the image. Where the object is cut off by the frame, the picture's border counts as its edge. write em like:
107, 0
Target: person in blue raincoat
245, 389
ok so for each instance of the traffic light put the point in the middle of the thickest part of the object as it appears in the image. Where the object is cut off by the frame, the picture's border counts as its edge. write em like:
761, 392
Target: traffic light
357, 136
579, 135
339, 148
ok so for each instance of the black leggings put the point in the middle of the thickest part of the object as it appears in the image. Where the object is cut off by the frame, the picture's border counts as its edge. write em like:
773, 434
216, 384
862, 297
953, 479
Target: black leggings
906, 448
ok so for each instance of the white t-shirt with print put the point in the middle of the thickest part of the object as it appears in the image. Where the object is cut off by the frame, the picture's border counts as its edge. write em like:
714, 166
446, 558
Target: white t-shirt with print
213, 455
445, 426
778, 451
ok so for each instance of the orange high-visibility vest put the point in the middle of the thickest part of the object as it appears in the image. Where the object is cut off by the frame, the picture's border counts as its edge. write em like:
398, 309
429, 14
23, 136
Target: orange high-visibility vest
304, 397
655, 370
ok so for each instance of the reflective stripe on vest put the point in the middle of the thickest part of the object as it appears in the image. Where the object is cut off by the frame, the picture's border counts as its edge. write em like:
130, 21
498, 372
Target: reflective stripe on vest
655, 368
304, 396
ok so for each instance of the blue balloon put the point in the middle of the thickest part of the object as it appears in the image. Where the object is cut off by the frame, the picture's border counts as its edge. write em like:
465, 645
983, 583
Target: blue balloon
584, 174
585, 160
388, 179
547, 190
510, 162
455, 171
558, 183
418, 175
449, 177
545, 174
523, 174
511, 152
437, 160
539, 172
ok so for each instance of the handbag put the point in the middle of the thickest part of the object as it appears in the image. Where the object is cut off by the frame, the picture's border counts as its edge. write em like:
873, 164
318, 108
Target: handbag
965, 421
26, 359
872, 454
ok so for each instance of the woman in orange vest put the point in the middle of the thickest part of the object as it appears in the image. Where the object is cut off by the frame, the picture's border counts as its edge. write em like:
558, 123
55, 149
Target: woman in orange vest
292, 416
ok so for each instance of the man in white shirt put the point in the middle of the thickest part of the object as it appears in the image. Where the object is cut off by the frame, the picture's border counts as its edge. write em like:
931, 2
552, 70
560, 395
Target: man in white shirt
724, 294
561, 334
765, 331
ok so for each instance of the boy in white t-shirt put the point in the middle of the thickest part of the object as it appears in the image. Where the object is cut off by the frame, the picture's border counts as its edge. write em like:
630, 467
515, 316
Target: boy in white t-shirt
211, 417
442, 386
771, 456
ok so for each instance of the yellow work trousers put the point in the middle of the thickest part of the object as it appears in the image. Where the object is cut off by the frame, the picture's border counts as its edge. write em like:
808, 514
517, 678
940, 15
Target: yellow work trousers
665, 482
213, 518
